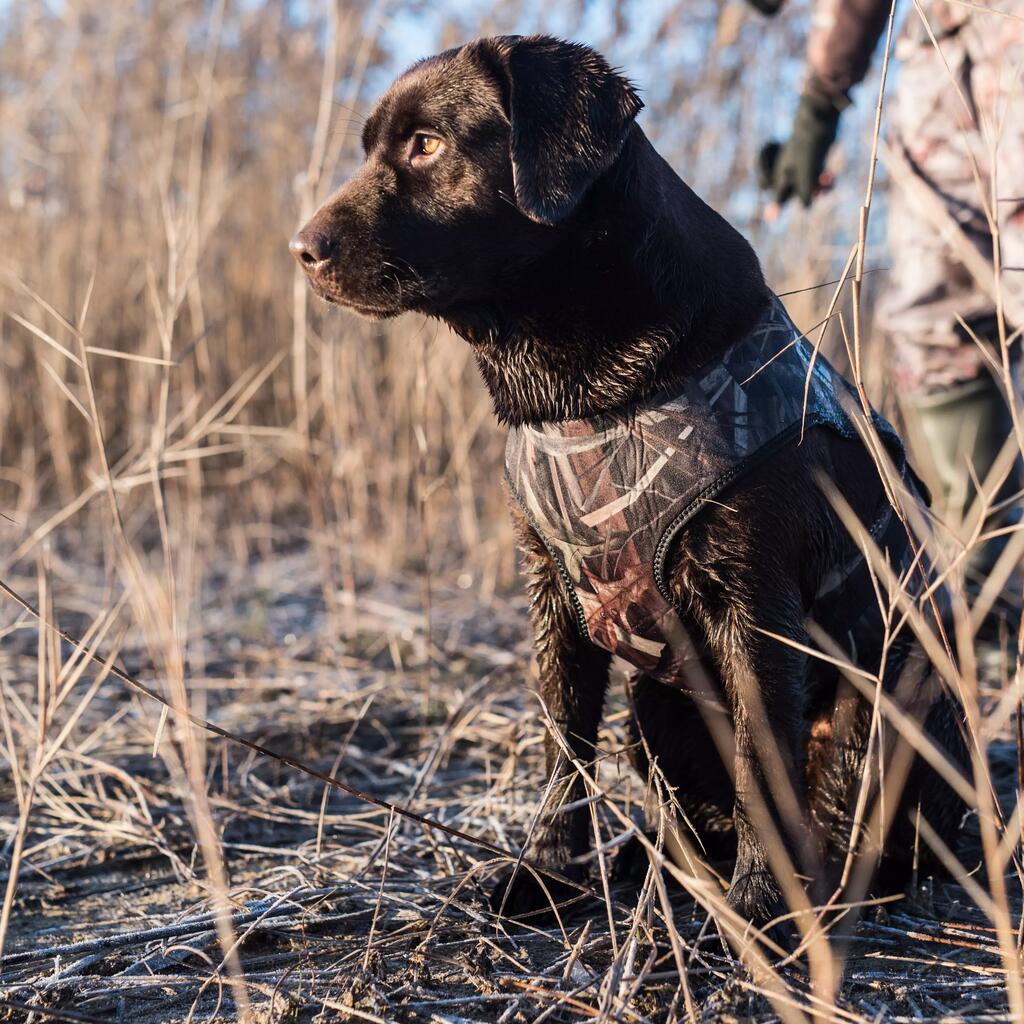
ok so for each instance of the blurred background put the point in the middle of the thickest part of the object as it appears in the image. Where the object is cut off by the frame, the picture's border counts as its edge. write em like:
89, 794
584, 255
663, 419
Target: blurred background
154, 160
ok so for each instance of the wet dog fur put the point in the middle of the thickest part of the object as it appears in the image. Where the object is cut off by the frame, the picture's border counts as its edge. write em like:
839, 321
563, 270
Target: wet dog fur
508, 190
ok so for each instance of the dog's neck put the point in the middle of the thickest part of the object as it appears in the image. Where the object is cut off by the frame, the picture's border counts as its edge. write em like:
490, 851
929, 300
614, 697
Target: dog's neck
644, 285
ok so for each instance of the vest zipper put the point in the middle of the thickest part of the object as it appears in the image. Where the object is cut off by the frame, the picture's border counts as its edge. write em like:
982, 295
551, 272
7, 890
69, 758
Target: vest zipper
567, 584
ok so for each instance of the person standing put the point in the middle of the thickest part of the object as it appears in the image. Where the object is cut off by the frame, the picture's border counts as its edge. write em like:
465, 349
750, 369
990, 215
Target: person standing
955, 119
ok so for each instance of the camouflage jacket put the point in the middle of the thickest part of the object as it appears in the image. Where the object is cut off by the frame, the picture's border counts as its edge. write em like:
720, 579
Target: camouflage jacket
844, 34
607, 495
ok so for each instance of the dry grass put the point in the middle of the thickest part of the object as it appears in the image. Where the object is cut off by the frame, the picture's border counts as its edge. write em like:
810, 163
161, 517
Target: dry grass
287, 521
338, 906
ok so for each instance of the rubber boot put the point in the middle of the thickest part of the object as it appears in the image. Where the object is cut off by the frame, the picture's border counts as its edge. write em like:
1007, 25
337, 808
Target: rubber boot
965, 424
968, 424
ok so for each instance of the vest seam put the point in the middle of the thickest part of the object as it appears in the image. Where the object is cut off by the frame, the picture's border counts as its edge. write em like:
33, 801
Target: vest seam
716, 488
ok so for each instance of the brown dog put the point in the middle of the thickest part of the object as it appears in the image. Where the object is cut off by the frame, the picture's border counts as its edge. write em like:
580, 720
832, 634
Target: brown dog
668, 434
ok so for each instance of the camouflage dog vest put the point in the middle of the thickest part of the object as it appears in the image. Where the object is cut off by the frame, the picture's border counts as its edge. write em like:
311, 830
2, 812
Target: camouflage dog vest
608, 494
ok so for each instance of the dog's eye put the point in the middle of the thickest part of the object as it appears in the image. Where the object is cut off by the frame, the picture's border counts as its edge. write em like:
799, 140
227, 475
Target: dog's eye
424, 146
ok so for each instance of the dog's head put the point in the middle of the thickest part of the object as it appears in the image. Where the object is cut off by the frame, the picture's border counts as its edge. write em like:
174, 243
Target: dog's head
475, 161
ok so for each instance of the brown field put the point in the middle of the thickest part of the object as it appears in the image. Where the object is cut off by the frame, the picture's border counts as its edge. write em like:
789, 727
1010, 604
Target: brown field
289, 522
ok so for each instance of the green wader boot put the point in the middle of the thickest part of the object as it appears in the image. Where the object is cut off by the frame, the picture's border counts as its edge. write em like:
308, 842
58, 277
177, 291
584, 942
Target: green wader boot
969, 423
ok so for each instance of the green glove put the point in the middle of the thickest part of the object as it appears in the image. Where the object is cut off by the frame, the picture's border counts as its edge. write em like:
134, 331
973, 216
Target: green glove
795, 167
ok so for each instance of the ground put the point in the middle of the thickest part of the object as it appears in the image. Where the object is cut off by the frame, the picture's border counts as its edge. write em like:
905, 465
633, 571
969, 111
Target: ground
340, 912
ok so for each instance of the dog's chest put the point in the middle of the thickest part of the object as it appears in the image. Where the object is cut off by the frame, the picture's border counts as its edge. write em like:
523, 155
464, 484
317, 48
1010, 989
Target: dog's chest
607, 495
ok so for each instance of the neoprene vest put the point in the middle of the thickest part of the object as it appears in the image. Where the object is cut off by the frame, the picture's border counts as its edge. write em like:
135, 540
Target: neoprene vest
608, 494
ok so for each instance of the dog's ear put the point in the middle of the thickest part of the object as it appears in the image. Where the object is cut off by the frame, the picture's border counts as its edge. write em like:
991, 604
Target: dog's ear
569, 112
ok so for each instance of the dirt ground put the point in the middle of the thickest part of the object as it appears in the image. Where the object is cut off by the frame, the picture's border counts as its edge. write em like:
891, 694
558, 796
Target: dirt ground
340, 912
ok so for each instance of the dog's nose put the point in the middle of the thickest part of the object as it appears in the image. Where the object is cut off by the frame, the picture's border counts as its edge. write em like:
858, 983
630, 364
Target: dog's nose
310, 247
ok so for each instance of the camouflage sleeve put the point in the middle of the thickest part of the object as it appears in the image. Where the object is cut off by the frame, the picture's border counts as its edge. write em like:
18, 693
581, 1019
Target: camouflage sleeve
844, 34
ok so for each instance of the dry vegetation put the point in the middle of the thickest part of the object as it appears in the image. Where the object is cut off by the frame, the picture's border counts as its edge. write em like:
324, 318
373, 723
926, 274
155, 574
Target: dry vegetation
288, 522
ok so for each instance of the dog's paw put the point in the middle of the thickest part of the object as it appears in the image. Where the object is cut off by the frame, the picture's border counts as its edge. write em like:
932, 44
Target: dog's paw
529, 897
755, 895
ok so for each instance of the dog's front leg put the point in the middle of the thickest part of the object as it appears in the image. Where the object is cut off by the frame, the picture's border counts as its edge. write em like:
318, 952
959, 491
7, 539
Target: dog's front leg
573, 679
739, 601
765, 681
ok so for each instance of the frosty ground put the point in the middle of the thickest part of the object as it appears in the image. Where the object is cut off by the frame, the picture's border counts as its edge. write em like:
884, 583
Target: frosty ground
419, 695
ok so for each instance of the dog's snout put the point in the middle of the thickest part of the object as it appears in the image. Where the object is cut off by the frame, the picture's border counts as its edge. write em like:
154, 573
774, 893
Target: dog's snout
310, 247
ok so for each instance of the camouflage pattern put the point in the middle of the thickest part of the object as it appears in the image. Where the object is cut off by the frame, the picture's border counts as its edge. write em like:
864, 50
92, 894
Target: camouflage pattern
608, 494
941, 107
845, 33
940, 120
